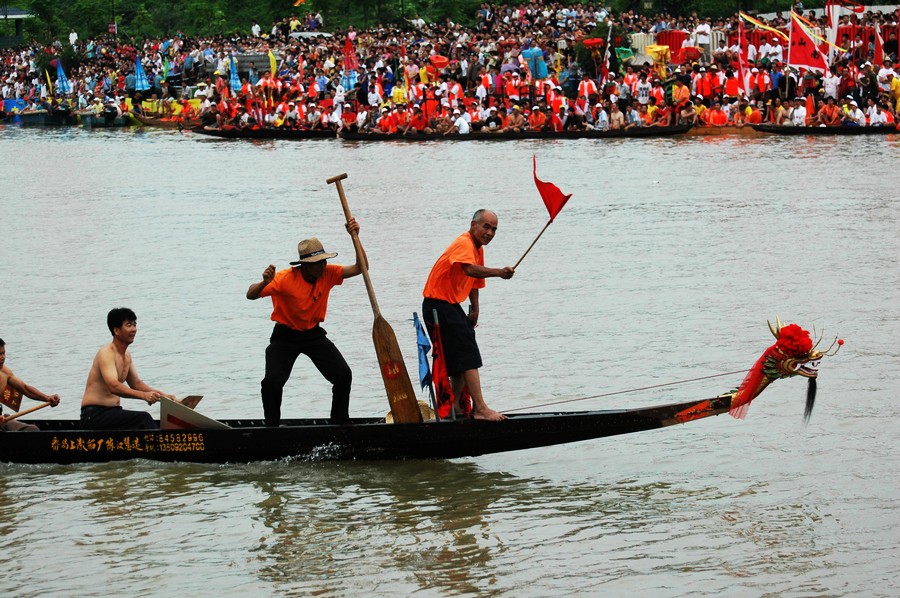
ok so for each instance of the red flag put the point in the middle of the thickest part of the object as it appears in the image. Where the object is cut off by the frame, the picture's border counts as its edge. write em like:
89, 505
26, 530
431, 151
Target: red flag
550, 193
351, 62
810, 108
878, 58
443, 392
803, 51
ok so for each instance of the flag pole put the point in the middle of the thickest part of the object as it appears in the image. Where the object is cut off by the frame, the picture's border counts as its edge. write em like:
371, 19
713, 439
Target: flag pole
532, 244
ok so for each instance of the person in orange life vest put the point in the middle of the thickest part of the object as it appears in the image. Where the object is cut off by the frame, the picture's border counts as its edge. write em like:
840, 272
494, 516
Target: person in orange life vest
558, 122
681, 93
732, 88
458, 274
715, 116
664, 115
417, 122
587, 88
756, 116
512, 88
537, 120
716, 80
300, 299
348, 118
830, 114
387, 123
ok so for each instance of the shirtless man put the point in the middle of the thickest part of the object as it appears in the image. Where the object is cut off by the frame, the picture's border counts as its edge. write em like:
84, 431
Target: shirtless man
112, 376
9, 381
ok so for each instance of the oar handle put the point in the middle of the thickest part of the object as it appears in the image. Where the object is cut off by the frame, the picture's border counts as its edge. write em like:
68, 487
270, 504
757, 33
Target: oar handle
357, 245
26, 412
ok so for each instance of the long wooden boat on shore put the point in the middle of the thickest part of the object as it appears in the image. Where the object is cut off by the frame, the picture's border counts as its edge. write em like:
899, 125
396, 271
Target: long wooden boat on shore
232, 441
840, 130
280, 133
164, 123
510, 135
714, 131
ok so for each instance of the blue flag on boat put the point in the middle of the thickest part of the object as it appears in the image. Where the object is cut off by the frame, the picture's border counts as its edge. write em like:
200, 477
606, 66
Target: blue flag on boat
141, 83
424, 346
235, 80
62, 84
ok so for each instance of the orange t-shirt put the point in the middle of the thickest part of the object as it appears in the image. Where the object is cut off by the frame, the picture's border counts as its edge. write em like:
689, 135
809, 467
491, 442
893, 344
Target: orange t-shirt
298, 304
447, 281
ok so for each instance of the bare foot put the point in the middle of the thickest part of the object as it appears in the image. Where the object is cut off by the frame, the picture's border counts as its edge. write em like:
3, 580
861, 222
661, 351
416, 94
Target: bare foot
488, 414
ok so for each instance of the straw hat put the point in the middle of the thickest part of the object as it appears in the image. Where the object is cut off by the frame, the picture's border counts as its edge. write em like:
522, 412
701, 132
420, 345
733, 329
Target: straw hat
310, 251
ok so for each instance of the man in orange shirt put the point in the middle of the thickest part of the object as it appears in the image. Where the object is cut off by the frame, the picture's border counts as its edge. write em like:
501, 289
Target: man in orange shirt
455, 276
299, 299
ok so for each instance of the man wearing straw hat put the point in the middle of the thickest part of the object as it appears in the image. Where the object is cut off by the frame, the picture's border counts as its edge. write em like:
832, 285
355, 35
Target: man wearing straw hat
299, 300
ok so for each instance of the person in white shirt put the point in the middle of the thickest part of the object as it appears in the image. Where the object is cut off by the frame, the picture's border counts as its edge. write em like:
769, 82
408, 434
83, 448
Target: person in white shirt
602, 118
460, 124
854, 117
73, 38
776, 51
752, 53
798, 114
255, 30
764, 50
702, 37
884, 84
830, 83
878, 117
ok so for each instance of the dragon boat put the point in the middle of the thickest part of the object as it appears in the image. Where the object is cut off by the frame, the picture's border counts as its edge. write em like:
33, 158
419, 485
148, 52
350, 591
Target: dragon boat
164, 122
512, 135
841, 130
280, 133
242, 441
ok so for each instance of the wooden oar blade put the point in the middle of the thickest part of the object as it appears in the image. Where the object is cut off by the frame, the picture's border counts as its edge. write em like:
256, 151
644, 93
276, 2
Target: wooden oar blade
191, 401
401, 396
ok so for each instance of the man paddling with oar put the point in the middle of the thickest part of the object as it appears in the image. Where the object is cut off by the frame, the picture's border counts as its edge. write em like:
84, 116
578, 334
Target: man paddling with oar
456, 276
299, 300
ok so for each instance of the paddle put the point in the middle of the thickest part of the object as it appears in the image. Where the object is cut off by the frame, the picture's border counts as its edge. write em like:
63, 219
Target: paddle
401, 396
26, 412
190, 401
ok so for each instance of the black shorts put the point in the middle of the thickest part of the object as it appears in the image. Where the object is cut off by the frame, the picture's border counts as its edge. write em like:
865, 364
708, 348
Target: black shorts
98, 417
457, 335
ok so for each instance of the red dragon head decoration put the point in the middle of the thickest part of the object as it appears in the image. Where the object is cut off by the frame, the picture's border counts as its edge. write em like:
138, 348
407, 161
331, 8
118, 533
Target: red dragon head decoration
793, 354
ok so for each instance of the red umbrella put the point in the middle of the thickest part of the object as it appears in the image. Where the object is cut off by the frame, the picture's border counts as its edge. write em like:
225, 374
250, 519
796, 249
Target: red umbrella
593, 42
439, 61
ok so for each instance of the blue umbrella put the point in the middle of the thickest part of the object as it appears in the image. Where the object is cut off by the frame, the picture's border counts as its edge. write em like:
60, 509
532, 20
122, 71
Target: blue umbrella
234, 80
141, 83
62, 84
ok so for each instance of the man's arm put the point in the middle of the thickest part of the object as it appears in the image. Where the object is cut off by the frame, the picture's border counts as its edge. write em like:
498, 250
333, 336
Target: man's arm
352, 226
255, 290
476, 271
30, 391
106, 364
135, 382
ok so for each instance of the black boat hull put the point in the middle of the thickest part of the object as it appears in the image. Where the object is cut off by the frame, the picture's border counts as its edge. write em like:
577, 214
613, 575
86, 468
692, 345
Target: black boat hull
60, 441
779, 130
290, 134
508, 135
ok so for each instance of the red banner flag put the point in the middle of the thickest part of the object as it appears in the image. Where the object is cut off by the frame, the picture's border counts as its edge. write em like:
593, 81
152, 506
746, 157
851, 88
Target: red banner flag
351, 62
443, 391
550, 193
803, 51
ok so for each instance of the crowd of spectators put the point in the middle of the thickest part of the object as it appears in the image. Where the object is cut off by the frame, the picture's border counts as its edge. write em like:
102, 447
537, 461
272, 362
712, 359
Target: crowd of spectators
444, 77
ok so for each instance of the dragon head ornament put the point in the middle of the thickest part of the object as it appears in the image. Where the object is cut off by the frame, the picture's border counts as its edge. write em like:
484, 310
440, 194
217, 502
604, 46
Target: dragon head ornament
793, 354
